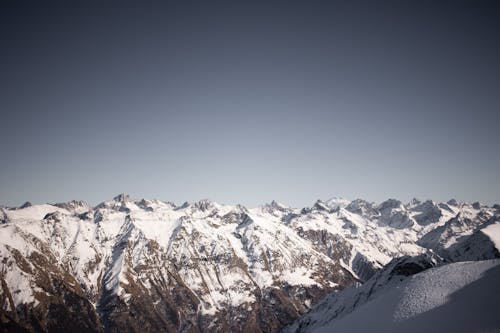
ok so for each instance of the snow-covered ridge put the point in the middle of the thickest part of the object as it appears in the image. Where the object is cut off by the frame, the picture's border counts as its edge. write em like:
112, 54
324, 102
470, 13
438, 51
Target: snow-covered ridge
223, 256
456, 297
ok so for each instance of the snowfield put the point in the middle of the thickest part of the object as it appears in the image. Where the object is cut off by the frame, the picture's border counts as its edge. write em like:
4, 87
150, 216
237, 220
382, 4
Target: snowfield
493, 232
459, 297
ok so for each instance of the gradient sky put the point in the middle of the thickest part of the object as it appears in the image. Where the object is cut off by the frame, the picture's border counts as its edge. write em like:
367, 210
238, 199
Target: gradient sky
245, 102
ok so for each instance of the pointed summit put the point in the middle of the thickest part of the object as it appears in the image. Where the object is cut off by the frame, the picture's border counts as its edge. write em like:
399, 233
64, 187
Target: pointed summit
274, 207
278, 205
414, 202
26, 205
122, 197
321, 205
205, 204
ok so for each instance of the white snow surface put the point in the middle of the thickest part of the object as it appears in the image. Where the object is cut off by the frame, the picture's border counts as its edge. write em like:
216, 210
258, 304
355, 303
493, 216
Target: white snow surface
337, 202
458, 297
493, 232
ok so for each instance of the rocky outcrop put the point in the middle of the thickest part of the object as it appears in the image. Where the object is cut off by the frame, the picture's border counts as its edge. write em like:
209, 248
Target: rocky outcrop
428, 213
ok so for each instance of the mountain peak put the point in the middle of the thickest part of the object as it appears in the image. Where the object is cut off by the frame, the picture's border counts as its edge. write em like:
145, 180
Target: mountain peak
274, 208
122, 197
73, 205
337, 202
26, 205
390, 204
321, 205
414, 202
204, 204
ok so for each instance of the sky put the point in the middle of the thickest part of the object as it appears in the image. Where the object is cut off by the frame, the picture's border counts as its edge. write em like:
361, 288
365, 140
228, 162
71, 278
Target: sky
249, 101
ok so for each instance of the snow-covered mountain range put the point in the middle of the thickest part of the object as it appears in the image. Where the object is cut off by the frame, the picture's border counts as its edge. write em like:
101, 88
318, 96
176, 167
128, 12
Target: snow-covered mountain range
131, 265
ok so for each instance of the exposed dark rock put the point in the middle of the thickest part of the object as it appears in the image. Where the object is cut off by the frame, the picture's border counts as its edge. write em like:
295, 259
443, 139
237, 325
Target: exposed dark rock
392, 214
26, 205
361, 207
429, 213
363, 268
145, 205
3, 217
73, 205
122, 198
321, 206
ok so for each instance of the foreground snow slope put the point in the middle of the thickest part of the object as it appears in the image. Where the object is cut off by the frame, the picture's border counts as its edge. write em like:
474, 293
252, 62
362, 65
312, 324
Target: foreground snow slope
458, 297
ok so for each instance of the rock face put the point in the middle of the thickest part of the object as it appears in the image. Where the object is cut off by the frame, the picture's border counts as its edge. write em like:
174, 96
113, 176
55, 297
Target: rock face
149, 266
428, 212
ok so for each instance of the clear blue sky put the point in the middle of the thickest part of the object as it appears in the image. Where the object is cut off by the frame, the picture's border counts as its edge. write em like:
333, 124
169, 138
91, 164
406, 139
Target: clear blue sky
245, 103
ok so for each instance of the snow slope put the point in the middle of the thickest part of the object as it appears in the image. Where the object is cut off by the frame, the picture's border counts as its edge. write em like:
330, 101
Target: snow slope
493, 232
458, 297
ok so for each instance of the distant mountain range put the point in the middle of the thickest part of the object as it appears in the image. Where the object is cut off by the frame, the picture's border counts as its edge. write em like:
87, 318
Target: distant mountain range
131, 265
